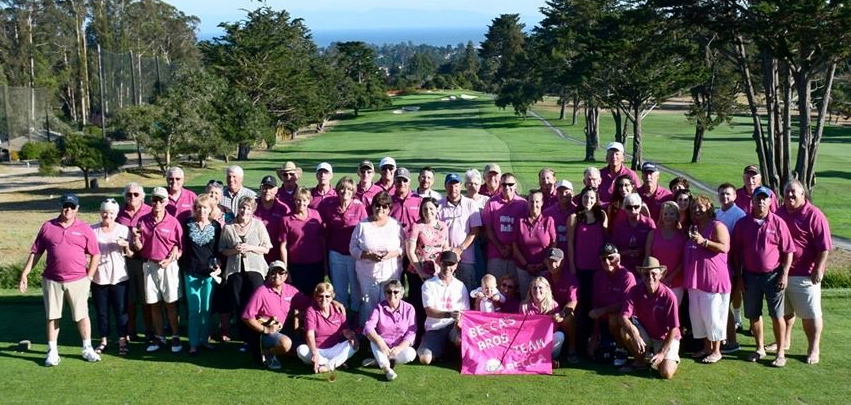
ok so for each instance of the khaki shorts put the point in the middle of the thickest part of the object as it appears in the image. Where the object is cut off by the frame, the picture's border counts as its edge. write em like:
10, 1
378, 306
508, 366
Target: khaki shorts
803, 298
161, 284
75, 292
673, 351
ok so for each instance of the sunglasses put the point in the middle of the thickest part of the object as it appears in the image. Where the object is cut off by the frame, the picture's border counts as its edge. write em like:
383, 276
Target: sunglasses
69, 205
131, 194
393, 292
278, 273
508, 184
383, 207
157, 200
609, 258
504, 285
388, 168
401, 180
633, 207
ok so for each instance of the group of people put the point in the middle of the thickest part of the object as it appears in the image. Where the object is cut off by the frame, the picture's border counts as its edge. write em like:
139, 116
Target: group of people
611, 264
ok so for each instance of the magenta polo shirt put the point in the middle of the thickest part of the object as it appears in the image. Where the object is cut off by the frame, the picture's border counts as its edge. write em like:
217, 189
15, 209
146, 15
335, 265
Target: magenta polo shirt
327, 331
406, 210
304, 237
394, 326
272, 219
125, 219
66, 249
181, 207
159, 238
657, 313
367, 196
610, 289
588, 241
287, 197
669, 252
744, 201
759, 243
503, 217
628, 236
483, 190
703, 269
655, 200
560, 217
340, 224
533, 238
566, 288
810, 235
461, 219
265, 302
550, 200
607, 185
316, 197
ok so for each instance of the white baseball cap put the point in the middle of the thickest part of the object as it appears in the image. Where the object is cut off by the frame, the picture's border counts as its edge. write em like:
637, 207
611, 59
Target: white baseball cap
387, 161
324, 166
615, 145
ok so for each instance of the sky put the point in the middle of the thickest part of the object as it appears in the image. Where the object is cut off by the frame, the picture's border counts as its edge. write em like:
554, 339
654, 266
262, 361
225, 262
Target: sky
368, 14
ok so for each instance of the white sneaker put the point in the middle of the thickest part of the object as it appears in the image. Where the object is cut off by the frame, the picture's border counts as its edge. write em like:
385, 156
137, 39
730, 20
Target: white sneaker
368, 362
155, 345
52, 358
390, 374
90, 355
272, 363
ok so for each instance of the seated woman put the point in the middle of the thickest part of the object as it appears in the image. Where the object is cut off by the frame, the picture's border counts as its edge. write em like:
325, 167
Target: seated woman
508, 288
539, 301
391, 329
329, 340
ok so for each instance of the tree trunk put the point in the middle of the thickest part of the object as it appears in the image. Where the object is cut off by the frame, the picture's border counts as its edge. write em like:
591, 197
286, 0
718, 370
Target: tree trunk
618, 118
637, 159
562, 105
806, 170
86, 179
575, 107
243, 151
784, 171
592, 131
138, 151
699, 132
769, 85
750, 92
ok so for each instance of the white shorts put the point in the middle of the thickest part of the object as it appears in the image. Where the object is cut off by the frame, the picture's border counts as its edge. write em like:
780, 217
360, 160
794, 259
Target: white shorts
708, 312
161, 284
803, 298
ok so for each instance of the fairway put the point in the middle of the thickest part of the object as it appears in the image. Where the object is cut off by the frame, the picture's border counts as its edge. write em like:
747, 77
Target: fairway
450, 136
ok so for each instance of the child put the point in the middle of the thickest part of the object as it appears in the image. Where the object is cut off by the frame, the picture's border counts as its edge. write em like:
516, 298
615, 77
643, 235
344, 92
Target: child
488, 298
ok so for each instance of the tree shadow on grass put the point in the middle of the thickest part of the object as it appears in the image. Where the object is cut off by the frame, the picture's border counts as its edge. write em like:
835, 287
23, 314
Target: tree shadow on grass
834, 174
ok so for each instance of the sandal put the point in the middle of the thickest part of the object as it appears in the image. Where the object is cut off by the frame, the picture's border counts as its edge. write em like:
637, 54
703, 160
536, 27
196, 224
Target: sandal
756, 356
101, 348
123, 349
779, 362
711, 359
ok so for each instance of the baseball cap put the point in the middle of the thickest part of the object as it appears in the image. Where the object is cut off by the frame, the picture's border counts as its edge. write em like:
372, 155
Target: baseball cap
452, 177
160, 192
492, 167
403, 173
448, 256
277, 264
649, 167
268, 181
564, 183
69, 199
324, 166
754, 169
615, 145
555, 254
366, 163
608, 249
762, 190
387, 161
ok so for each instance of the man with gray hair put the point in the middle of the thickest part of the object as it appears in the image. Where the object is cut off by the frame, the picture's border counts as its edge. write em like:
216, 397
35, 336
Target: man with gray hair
235, 190
134, 208
180, 200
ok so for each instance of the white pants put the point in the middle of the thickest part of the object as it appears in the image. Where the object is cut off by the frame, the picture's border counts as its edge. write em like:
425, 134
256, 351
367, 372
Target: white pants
332, 357
371, 293
708, 312
405, 356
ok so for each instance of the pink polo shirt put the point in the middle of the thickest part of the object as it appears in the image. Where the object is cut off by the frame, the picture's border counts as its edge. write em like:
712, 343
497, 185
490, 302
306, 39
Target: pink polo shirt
125, 219
607, 185
66, 249
287, 197
655, 200
744, 201
658, 313
272, 219
304, 238
550, 199
560, 217
340, 224
810, 235
566, 288
669, 252
394, 326
265, 302
703, 269
628, 236
327, 331
159, 238
461, 218
534, 237
588, 241
610, 289
367, 196
759, 243
502, 217
483, 190
406, 210
181, 207
316, 197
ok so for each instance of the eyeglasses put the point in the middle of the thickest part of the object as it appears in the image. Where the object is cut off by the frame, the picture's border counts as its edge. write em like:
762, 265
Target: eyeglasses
609, 258
393, 292
69, 205
508, 184
156, 200
289, 174
326, 296
131, 194
633, 207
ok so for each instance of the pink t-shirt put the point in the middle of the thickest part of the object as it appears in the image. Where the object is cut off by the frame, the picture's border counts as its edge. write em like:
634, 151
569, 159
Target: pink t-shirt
703, 269
744, 200
758, 243
159, 238
461, 219
560, 217
533, 238
628, 236
406, 210
181, 207
669, 252
658, 313
565, 289
530, 308
339, 224
272, 219
125, 219
810, 234
316, 197
430, 241
607, 185
66, 249
655, 200
265, 302
304, 237
610, 289
588, 241
502, 218
327, 331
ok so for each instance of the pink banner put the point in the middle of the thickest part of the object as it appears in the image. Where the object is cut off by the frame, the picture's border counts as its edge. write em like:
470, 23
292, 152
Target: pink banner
496, 343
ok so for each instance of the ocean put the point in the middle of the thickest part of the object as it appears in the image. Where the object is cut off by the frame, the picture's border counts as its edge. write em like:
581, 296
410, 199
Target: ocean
427, 36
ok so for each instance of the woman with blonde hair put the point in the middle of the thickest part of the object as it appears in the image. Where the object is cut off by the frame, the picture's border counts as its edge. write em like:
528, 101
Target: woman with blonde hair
539, 301
329, 341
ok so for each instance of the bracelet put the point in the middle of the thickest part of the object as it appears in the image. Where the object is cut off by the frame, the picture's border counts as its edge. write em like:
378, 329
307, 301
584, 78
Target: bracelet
705, 242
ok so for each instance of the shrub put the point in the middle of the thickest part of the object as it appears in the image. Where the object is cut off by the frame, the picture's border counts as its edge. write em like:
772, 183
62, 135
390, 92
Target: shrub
836, 279
10, 275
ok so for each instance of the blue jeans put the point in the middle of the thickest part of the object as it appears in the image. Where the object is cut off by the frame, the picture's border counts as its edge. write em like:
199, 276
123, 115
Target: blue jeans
342, 272
199, 292
111, 297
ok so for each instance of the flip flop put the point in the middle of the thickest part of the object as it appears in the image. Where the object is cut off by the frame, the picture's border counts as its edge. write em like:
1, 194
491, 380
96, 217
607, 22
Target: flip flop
772, 348
756, 356
699, 355
779, 362
813, 359
711, 359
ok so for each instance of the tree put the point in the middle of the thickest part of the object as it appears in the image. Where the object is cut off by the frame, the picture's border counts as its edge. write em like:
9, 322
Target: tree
502, 51
360, 86
90, 153
138, 123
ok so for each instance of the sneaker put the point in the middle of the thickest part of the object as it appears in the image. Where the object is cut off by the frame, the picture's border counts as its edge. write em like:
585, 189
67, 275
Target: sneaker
155, 345
272, 363
368, 362
176, 346
621, 357
52, 359
728, 348
390, 374
90, 355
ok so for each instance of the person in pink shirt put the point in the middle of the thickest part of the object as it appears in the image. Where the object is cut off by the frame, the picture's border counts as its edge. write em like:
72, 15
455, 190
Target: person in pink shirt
109, 285
366, 170
386, 181
289, 173
666, 243
629, 232
491, 185
271, 212
762, 256
614, 169
623, 187
810, 234
302, 240
406, 204
391, 329
564, 286
547, 185
533, 235
611, 284
707, 278
650, 192
323, 190
180, 199
649, 322
502, 214
134, 208
539, 301
330, 342
267, 310
752, 180
340, 215
67, 275
560, 212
